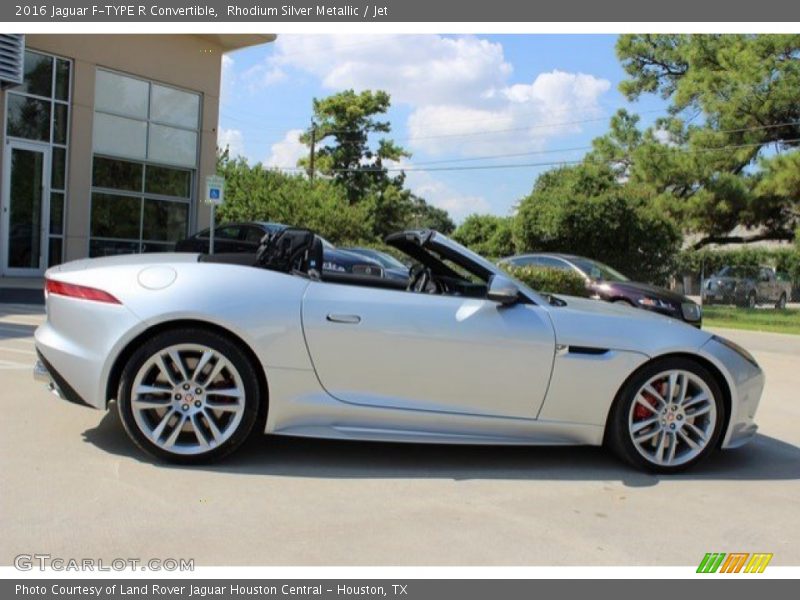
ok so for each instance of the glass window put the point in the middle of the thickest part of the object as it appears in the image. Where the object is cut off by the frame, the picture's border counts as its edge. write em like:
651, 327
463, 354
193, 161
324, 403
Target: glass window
168, 182
175, 107
38, 77
253, 234
57, 213
115, 216
172, 146
60, 115
58, 171
120, 136
112, 247
62, 79
121, 95
117, 174
230, 232
28, 118
55, 251
165, 220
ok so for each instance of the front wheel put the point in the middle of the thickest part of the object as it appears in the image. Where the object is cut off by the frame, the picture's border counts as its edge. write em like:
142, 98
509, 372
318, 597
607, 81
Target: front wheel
751, 300
189, 396
668, 416
781, 303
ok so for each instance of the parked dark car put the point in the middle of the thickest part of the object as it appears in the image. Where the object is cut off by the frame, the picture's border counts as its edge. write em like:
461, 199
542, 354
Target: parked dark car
606, 283
392, 268
746, 286
245, 237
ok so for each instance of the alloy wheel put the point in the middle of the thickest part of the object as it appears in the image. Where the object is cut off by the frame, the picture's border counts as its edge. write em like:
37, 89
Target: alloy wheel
672, 418
188, 399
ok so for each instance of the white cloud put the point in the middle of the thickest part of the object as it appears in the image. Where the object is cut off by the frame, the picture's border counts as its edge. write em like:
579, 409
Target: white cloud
285, 153
227, 78
263, 75
415, 69
524, 116
233, 140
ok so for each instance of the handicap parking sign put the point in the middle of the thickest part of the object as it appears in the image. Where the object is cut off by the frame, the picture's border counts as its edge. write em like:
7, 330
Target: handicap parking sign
215, 190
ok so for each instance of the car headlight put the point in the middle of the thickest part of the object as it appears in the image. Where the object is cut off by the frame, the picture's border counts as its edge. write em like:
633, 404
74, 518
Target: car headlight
331, 266
736, 348
691, 311
655, 303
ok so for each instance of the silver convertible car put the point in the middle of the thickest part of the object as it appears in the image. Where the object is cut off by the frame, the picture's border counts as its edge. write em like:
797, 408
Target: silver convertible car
200, 351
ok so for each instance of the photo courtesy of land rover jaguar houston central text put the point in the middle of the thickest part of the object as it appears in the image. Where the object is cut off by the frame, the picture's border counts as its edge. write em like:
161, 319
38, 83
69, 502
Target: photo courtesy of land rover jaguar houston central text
199, 351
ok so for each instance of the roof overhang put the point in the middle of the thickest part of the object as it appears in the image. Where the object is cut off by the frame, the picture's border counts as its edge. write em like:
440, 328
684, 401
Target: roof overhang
235, 41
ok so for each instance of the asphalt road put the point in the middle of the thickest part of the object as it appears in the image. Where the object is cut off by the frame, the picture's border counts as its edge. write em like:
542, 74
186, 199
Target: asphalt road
71, 485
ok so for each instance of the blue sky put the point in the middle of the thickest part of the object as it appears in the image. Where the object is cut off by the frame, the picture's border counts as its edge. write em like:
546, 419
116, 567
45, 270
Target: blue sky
457, 101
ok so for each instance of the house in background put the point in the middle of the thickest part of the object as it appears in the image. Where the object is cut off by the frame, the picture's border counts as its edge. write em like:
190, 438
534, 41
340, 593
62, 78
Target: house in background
106, 142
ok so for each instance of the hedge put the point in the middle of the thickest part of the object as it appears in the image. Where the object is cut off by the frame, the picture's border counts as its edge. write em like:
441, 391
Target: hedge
552, 281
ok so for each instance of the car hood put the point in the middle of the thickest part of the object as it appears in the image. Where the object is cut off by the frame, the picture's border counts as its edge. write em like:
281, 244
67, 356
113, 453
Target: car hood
645, 289
597, 324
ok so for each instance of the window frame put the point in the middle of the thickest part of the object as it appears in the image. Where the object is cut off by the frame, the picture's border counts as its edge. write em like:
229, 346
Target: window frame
142, 194
50, 143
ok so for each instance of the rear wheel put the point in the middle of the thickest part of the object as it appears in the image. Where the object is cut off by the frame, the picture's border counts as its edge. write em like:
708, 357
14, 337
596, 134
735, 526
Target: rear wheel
189, 396
781, 303
751, 300
668, 417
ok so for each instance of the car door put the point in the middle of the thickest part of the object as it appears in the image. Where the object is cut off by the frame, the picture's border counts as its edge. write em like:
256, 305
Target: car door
766, 285
449, 354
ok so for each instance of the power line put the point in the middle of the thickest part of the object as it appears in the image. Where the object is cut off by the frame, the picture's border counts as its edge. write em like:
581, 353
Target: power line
412, 168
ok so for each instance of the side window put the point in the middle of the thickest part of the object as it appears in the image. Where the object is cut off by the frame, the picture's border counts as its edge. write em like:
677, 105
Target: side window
227, 233
553, 263
524, 261
253, 234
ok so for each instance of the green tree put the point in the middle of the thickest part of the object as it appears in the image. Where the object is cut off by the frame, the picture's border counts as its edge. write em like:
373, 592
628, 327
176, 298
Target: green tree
341, 129
744, 90
253, 193
488, 235
585, 209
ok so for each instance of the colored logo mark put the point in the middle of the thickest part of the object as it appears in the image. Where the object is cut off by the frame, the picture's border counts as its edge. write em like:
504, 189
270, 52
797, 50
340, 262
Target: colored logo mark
734, 562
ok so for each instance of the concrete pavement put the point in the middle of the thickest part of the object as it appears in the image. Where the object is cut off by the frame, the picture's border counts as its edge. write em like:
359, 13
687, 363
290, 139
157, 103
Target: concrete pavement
74, 486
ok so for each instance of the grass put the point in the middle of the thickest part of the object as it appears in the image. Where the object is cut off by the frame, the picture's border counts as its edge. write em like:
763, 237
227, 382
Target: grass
753, 319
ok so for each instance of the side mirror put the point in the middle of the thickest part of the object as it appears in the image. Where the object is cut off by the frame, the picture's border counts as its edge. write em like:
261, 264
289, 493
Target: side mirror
502, 290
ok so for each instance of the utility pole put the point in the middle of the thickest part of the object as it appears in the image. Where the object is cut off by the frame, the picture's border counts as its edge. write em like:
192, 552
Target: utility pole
313, 143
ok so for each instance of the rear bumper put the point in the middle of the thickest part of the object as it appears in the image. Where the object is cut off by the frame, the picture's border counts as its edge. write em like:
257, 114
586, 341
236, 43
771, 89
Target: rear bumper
43, 372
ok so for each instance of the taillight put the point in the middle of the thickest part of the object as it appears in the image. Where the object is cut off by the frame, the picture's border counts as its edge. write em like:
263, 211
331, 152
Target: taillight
78, 291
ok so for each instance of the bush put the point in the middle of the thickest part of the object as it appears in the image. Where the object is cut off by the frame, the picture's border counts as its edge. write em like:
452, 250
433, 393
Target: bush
577, 211
550, 281
488, 235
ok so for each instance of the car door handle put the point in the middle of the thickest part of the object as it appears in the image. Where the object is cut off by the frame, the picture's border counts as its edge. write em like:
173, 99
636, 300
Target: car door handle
351, 319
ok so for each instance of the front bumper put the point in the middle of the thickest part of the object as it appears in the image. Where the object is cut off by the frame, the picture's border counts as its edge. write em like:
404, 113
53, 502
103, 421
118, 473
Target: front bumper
746, 383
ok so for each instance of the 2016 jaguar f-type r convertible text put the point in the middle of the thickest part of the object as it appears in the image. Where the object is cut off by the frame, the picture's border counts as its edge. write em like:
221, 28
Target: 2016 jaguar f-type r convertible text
199, 351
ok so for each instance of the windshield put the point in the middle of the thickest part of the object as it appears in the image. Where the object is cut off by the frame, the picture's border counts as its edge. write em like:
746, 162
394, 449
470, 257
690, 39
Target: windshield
386, 260
598, 271
737, 272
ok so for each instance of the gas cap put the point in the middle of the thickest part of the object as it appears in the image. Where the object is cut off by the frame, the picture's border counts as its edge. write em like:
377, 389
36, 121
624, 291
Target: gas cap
157, 278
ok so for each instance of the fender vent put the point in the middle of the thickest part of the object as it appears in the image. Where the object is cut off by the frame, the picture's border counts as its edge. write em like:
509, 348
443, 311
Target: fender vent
587, 350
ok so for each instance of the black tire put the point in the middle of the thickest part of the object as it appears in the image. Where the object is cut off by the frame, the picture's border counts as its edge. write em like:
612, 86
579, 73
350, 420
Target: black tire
623, 301
781, 303
752, 301
617, 437
233, 353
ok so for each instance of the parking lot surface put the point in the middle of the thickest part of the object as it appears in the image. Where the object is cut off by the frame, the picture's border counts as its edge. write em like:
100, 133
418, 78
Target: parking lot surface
73, 486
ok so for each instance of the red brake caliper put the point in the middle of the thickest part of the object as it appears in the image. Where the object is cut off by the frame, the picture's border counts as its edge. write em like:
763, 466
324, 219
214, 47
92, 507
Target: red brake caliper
641, 412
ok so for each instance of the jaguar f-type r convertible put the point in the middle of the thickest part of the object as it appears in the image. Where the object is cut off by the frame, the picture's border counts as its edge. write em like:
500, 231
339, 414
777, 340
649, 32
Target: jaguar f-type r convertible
200, 351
